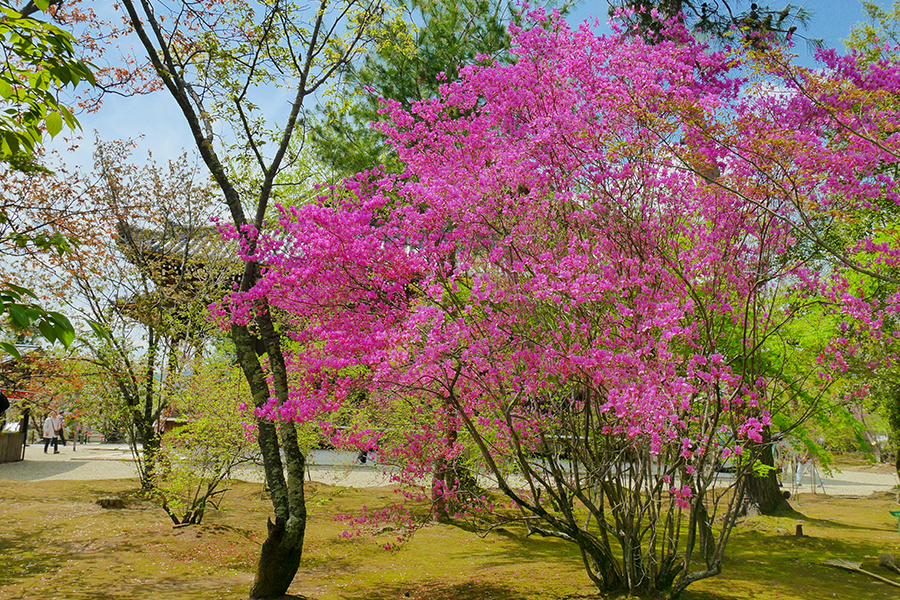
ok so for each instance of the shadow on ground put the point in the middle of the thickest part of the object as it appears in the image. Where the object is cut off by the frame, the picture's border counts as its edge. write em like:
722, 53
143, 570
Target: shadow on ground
433, 590
22, 556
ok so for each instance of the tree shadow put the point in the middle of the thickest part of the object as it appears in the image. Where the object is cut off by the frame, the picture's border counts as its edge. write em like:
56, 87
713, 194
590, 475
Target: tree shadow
24, 470
24, 556
760, 565
841, 525
514, 546
435, 590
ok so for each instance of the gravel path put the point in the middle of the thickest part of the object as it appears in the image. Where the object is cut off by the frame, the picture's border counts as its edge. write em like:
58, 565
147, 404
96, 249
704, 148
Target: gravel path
113, 461
81, 462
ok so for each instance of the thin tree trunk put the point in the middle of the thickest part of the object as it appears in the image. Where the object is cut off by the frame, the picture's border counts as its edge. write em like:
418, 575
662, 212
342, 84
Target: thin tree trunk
897, 461
143, 418
445, 477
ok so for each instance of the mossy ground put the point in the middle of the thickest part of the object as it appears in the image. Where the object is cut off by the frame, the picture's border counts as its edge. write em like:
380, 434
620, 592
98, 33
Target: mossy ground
56, 542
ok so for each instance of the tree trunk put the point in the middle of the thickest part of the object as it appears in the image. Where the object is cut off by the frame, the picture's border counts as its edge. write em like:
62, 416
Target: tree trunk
142, 418
764, 492
282, 550
897, 461
441, 480
445, 479
892, 404
150, 441
280, 554
278, 562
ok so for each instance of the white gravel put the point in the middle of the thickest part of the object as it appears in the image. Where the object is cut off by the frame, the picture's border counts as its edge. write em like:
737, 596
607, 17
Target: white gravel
114, 461
81, 462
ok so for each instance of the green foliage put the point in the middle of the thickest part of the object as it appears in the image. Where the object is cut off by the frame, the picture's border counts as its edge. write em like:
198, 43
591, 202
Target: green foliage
196, 460
23, 313
417, 50
39, 60
92, 396
761, 470
877, 38
871, 380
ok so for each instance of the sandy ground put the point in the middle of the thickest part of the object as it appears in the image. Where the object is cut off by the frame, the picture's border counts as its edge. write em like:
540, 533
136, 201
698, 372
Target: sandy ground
113, 461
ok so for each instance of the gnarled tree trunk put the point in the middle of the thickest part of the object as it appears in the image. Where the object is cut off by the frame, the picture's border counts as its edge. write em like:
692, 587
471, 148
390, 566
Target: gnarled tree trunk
764, 492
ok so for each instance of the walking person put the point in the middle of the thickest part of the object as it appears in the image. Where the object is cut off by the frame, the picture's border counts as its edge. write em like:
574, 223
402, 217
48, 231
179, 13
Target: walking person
60, 432
50, 426
807, 464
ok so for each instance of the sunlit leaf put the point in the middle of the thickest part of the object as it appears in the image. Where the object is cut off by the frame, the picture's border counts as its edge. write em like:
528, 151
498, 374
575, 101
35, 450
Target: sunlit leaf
10, 349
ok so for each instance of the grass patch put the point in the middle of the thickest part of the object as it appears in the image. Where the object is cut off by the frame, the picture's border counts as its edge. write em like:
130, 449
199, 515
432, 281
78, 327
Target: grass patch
56, 541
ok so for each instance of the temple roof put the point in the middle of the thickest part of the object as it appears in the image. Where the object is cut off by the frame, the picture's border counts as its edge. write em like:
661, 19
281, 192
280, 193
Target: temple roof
178, 243
186, 264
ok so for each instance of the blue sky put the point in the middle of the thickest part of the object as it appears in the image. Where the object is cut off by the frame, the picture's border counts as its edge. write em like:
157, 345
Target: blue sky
156, 119
831, 22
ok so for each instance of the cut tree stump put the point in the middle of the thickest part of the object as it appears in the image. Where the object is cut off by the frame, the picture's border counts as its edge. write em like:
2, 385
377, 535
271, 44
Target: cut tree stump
111, 502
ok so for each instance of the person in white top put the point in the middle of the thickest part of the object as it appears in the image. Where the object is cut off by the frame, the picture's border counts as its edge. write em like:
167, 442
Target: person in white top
60, 434
51, 425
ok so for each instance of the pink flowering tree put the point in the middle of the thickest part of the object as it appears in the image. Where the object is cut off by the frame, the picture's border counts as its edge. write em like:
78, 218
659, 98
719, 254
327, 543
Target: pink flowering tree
570, 291
824, 143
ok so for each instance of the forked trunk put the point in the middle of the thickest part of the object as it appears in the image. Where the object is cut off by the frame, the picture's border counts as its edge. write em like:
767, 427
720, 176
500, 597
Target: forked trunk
281, 552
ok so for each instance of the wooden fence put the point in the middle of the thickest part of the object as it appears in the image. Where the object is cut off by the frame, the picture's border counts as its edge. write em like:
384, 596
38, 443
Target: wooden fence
11, 445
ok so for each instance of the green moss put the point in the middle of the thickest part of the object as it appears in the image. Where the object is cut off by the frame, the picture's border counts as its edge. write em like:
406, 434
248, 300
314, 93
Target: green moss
57, 542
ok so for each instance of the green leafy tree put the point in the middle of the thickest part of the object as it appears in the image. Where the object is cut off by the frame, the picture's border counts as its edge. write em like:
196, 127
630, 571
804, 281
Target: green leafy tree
95, 399
197, 459
219, 61
39, 61
24, 314
879, 36
413, 54
148, 264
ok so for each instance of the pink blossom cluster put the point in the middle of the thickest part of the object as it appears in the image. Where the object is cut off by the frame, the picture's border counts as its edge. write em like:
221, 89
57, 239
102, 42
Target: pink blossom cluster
597, 227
